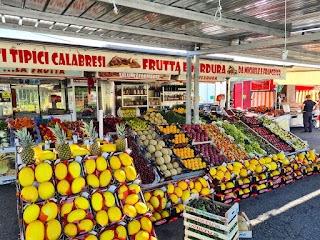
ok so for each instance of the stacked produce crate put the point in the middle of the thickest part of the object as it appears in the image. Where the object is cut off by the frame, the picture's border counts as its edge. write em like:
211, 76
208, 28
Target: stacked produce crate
205, 219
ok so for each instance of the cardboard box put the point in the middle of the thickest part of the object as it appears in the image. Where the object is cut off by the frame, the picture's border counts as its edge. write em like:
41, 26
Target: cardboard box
232, 235
233, 210
246, 234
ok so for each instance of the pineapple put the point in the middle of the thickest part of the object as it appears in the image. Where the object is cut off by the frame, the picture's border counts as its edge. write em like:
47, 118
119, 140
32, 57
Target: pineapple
63, 148
121, 133
26, 141
90, 131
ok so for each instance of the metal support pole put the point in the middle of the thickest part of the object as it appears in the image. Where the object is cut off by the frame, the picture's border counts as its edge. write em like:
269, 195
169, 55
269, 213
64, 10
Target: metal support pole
188, 86
196, 89
228, 94
73, 96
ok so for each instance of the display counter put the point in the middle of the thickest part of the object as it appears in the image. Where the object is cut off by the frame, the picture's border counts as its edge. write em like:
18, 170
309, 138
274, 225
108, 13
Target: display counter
63, 117
284, 121
7, 165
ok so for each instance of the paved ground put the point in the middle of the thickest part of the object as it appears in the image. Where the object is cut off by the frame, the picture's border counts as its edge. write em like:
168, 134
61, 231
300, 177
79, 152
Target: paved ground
287, 213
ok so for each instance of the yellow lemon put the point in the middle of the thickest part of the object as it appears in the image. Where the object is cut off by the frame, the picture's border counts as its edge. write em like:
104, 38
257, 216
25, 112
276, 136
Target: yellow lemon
157, 215
29, 193
154, 202
258, 169
48, 211
243, 172
141, 208
31, 213
85, 225
170, 188
142, 235
71, 230
26, 176
183, 185
97, 201
115, 163
74, 169
129, 210
35, 231
213, 171
109, 199
131, 173
146, 224
91, 237
174, 198
147, 196
93, 181
125, 159
101, 164
105, 178
198, 186
53, 229
114, 214
43, 172
122, 232
76, 215
178, 191
107, 235
63, 187
81, 203
46, 190
120, 175
219, 175
77, 185
60, 171
134, 227
158, 192
185, 195
66, 208
102, 218
90, 166
132, 199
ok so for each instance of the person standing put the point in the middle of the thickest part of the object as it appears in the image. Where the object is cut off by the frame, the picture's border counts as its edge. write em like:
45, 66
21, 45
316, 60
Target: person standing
307, 107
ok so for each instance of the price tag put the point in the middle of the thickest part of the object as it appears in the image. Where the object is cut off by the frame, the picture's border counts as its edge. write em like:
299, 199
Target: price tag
6, 95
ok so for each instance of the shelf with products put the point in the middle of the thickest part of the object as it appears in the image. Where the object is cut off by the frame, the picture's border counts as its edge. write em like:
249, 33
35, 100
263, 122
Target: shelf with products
132, 106
134, 95
175, 92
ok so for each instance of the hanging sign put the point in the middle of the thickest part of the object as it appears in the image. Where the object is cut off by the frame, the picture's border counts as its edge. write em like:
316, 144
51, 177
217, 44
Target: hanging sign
40, 72
125, 75
52, 57
266, 85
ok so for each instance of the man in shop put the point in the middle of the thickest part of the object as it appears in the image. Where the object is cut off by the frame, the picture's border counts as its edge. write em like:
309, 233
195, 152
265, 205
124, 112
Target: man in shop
307, 108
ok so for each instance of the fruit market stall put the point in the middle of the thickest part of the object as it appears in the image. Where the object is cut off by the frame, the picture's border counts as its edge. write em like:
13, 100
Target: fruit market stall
143, 172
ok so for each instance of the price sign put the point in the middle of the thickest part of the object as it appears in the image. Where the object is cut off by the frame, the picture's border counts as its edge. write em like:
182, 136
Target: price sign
5, 96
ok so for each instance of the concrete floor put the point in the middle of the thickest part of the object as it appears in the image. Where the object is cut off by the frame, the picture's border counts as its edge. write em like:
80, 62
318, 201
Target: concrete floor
287, 213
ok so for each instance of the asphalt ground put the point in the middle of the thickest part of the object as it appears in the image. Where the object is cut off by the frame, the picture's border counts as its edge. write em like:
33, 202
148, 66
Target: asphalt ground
290, 212
287, 213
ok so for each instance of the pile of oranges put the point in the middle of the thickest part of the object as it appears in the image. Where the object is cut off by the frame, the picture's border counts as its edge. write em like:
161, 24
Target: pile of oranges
224, 144
172, 129
194, 163
180, 110
180, 138
184, 153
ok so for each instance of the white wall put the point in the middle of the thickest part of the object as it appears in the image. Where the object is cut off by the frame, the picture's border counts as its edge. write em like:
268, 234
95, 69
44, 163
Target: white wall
211, 89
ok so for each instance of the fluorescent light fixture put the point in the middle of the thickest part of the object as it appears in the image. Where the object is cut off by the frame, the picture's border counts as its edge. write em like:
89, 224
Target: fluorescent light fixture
308, 30
263, 61
16, 34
